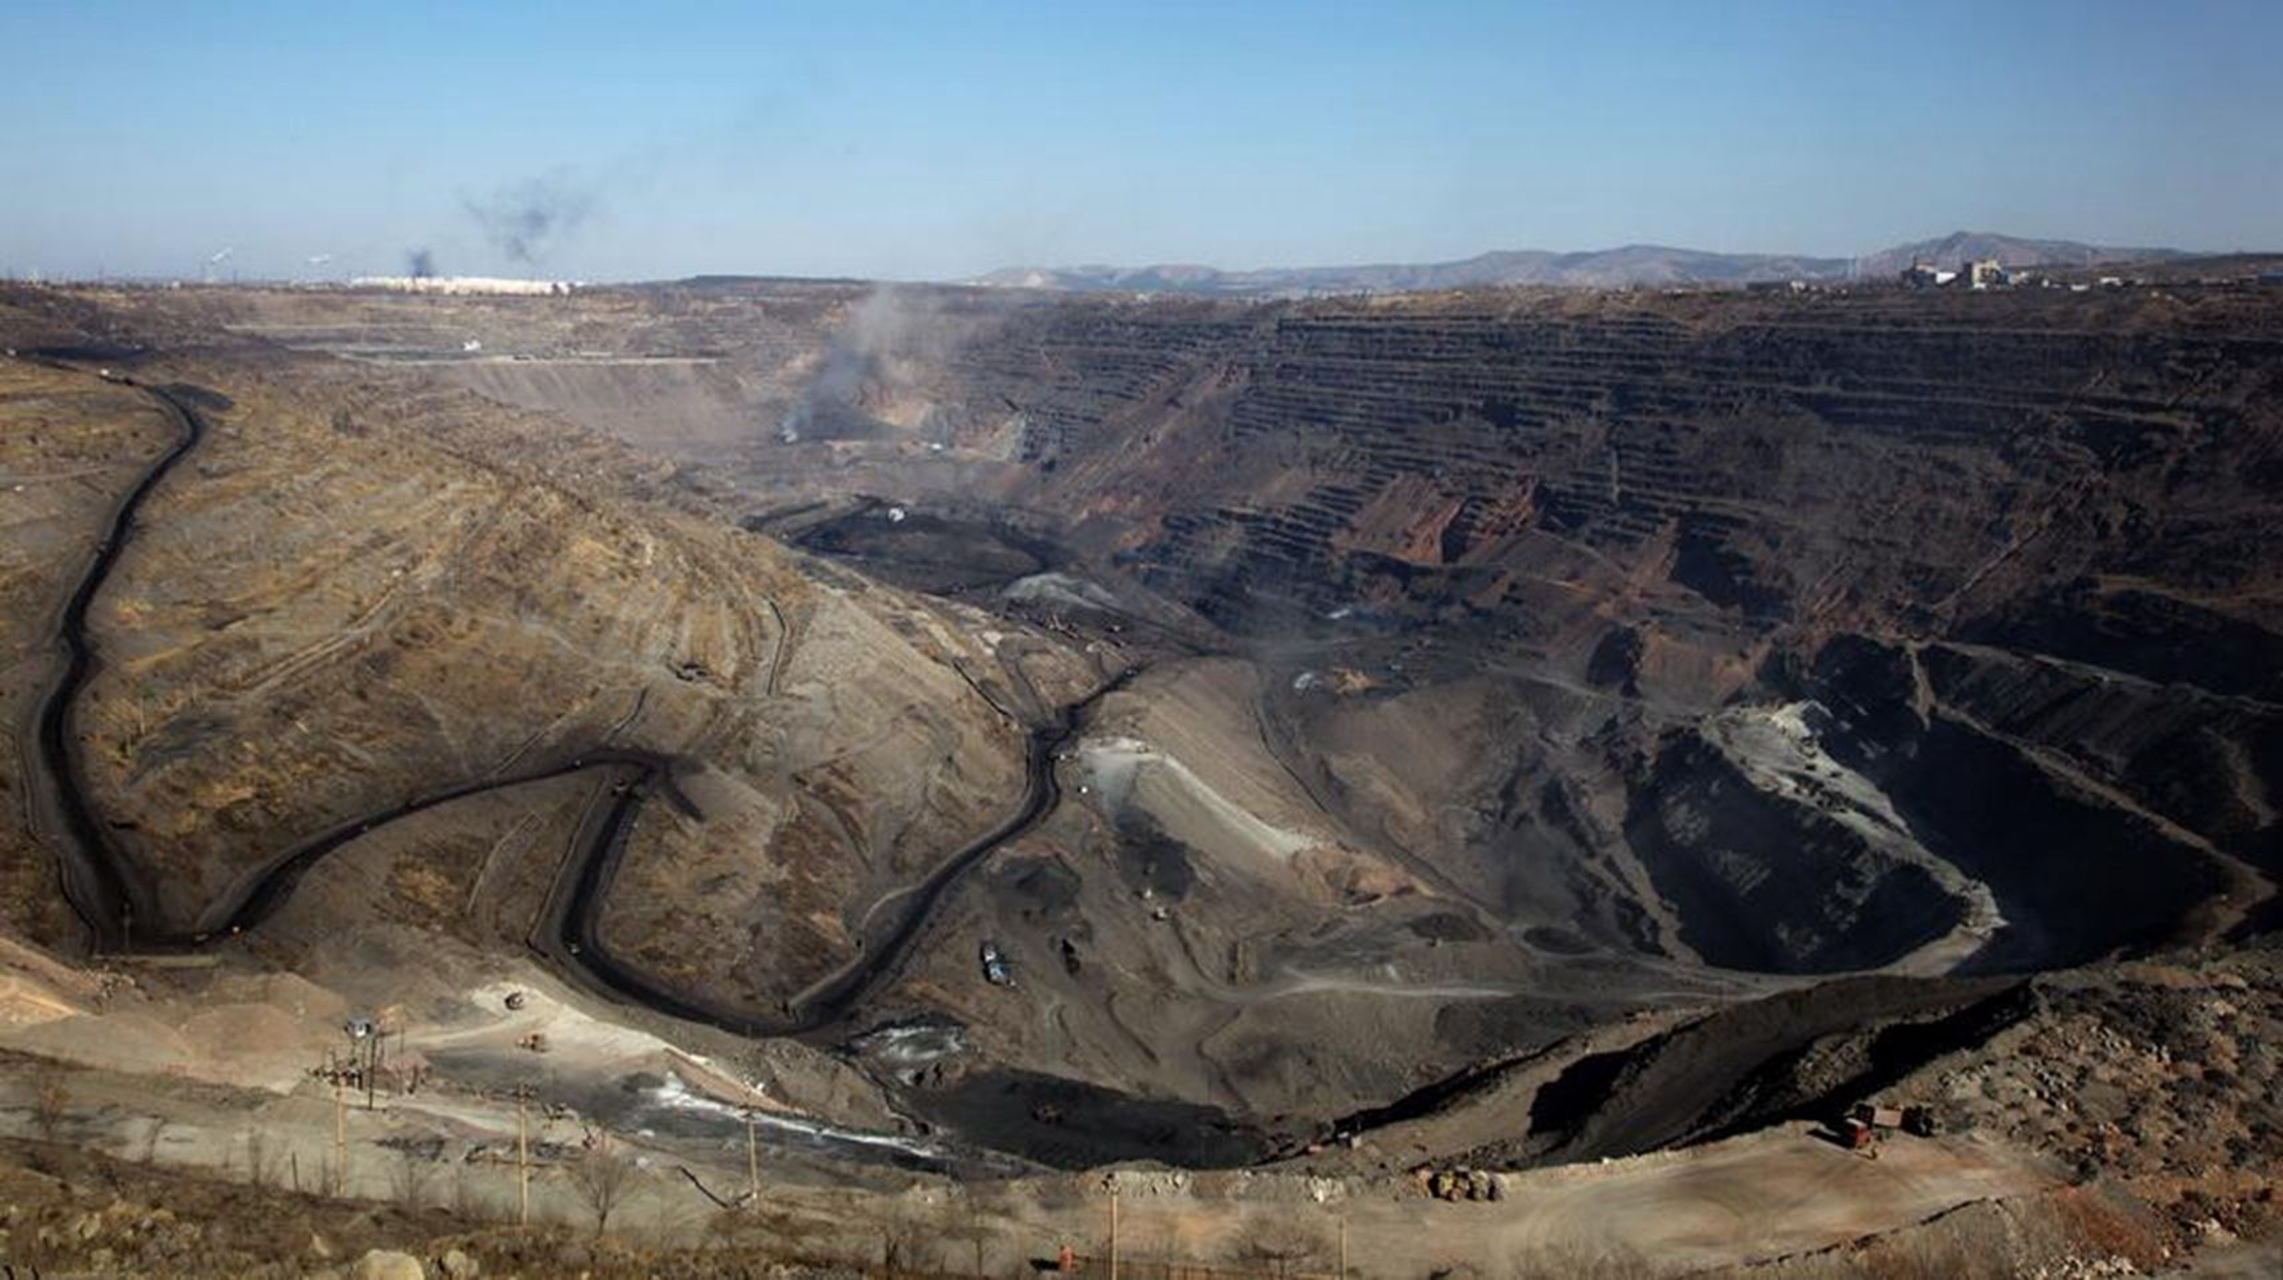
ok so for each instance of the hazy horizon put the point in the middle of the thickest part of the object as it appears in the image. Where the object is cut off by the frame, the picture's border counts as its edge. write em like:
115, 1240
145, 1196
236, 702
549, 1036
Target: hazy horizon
872, 141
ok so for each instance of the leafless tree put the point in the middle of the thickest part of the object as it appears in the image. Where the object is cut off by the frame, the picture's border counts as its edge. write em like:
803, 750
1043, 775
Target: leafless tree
964, 1224
604, 1179
152, 1137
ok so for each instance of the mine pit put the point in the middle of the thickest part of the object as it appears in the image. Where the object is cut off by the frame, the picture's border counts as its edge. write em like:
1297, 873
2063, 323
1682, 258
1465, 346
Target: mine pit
1313, 744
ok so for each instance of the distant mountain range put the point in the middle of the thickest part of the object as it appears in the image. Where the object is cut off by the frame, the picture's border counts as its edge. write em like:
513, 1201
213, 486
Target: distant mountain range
1636, 264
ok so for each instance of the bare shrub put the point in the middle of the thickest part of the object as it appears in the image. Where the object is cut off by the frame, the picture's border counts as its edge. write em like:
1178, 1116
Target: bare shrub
963, 1225
749, 1228
468, 1200
1922, 1255
735, 1228
1151, 1252
261, 1162
51, 1105
1278, 1243
2097, 1223
409, 1177
1583, 1262
669, 1223
905, 1242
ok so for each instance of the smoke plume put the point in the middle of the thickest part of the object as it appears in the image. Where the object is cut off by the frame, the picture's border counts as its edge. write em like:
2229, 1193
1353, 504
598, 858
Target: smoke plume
877, 355
523, 219
419, 263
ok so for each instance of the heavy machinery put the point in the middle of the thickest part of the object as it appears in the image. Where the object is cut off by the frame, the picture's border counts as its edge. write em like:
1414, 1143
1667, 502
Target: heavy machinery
996, 970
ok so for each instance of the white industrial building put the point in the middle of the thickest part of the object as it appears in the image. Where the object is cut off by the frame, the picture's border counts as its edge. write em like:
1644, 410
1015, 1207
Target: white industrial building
462, 284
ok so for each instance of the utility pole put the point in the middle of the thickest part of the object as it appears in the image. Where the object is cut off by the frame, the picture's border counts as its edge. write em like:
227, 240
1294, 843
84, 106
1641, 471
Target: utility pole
522, 1157
1343, 1247
1113, 1231
340, 1138
373, 1045
752, 1163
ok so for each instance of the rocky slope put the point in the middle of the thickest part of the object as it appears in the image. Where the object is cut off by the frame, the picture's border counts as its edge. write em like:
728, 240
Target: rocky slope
1508, 663
364, 587
1927, 553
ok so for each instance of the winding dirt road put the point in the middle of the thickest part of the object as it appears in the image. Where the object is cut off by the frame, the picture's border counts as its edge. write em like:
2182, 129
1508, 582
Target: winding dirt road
110, 896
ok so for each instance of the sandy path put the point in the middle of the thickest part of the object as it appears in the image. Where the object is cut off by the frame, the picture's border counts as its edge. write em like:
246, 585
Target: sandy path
1760, 1196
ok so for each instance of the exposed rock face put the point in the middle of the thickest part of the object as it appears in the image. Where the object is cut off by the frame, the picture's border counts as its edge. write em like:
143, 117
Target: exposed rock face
1728, 856
1881, 459
2012, 549
2046, 512
1518, 659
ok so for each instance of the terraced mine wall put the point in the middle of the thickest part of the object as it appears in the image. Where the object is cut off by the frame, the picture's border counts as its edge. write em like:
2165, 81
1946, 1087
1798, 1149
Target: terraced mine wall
2044, 517
1795, 464
1511, 665
2012, 546
1799, 634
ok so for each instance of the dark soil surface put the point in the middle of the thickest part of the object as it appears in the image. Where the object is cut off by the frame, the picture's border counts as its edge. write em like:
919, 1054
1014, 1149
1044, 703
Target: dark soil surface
1072, 1125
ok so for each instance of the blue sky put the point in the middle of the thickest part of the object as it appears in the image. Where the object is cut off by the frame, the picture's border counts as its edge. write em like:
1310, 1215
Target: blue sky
940, 140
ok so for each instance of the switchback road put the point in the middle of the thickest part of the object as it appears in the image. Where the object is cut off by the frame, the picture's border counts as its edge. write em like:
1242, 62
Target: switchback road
109, 894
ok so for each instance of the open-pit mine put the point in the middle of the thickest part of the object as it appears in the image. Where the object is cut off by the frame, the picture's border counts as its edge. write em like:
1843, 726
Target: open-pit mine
1466, 783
